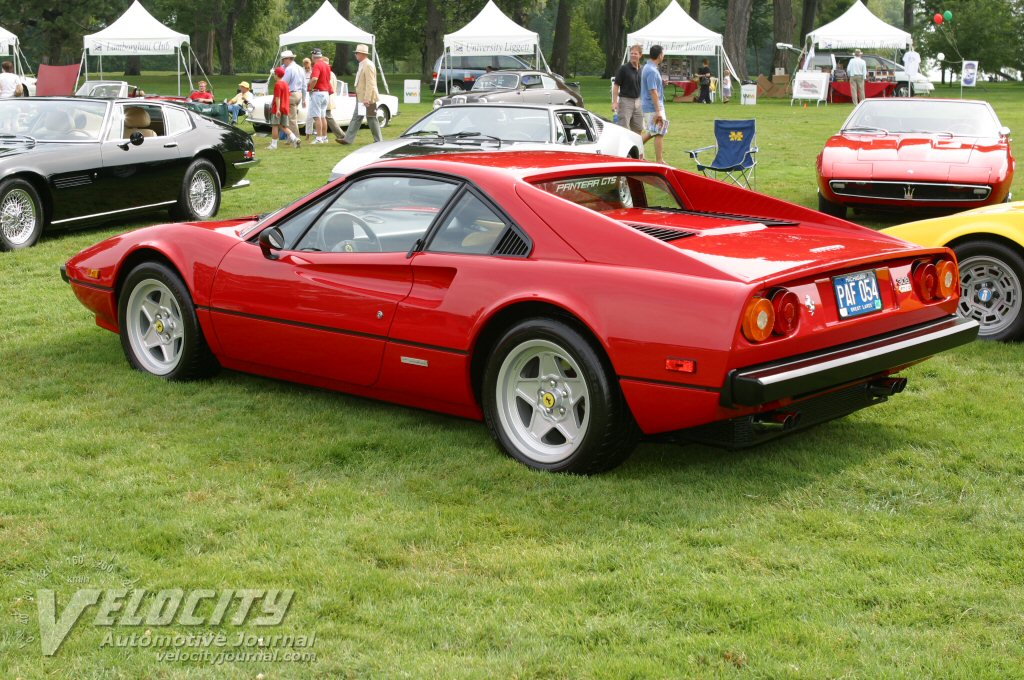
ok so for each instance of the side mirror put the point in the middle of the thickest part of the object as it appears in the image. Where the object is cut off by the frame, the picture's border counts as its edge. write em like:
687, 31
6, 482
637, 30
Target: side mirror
136, 138
270, 240
1004, 131
579, 136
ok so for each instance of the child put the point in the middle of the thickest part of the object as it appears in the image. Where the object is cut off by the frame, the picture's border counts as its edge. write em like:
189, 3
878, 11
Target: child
279, 111
727, 86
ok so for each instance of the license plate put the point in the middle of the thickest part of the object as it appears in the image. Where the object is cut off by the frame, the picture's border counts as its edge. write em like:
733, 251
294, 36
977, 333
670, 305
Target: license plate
857, 294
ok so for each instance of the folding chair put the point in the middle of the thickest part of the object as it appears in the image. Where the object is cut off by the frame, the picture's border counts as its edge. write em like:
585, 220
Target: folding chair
734, 155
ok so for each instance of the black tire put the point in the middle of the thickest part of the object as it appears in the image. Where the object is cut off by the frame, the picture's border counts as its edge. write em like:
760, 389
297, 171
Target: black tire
158, 284
195, 206
607, 433
994, 271
260, 127
903, 90
383, 116
21, 214
634, 153
829, 208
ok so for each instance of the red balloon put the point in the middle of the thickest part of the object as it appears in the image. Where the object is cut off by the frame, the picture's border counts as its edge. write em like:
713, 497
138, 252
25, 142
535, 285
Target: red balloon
938, 18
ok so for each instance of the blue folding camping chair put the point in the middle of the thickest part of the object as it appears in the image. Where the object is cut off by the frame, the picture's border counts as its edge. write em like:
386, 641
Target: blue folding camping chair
734, 157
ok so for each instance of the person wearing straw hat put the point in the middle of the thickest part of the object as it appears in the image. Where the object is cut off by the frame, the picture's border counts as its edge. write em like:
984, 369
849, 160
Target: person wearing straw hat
296, 79
240, 102
367, 95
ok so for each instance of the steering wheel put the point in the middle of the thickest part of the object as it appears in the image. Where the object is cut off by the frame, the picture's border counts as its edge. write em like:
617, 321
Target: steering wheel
372, 244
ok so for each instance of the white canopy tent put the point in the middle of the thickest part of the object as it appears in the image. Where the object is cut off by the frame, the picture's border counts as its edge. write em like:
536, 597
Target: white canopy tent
136, 32
327, 25
9, 46
680, 34
857, 27
491, 32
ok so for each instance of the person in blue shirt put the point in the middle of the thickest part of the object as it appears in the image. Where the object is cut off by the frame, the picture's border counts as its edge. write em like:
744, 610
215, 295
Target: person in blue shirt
652, 102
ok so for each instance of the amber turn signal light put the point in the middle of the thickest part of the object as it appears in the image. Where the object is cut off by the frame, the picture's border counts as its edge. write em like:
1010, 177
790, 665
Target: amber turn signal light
949, 278
786, 306
758, 319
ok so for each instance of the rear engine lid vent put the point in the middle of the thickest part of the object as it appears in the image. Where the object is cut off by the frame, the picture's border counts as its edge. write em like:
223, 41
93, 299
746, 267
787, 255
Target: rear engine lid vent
662, 233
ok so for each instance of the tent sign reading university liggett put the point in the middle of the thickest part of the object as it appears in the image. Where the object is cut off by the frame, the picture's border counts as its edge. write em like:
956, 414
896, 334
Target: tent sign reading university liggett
495, 47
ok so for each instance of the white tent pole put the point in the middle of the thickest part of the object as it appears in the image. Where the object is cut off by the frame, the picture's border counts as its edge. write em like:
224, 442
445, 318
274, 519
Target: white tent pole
85, 60
101, 67
380, 68
177, 67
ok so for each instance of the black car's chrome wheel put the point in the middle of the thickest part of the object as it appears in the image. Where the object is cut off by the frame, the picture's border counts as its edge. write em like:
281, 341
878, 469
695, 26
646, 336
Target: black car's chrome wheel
200, 192
21, 215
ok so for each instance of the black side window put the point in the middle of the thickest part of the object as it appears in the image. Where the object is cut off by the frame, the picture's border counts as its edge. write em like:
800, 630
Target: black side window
471, 227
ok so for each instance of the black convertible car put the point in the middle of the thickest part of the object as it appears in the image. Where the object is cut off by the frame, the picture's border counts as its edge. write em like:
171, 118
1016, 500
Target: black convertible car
70, 161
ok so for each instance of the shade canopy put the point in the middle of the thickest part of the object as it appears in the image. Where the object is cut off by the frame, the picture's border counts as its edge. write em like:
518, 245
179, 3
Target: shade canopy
491, 32
8, 41
858, 27
678, 33
325, 25
135, 32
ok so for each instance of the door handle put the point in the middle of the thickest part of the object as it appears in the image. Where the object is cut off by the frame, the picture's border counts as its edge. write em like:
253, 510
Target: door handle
170, 145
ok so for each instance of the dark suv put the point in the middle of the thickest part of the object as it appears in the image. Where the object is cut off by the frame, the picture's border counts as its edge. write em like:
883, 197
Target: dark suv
463, 71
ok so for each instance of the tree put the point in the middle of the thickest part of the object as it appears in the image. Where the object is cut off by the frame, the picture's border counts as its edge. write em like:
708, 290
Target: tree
989, 31
784, 25
563, 27
585, 51
226, 35
695, 9
908, 15
614, 36
737, 24
807, 18
342, 64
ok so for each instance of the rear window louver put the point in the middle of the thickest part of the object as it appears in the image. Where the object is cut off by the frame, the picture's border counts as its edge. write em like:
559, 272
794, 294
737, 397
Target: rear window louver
662, 233
512, 244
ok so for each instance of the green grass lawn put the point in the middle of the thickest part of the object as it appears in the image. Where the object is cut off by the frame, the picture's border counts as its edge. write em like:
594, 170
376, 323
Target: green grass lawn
885, 544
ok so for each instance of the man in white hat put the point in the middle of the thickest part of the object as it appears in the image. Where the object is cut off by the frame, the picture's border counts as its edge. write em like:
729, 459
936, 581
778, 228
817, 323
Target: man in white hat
367, 95
857, 70
295, 76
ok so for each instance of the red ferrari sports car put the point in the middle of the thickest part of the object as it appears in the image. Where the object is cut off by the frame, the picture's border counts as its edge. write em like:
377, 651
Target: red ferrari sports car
573, 302
916, 153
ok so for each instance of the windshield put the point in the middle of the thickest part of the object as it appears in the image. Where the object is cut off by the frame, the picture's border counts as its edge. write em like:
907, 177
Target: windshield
509, 124
52, 120
966, 119
606, 193
496, 81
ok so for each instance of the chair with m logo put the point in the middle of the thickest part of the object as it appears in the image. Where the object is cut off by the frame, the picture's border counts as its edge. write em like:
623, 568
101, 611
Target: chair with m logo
734, 153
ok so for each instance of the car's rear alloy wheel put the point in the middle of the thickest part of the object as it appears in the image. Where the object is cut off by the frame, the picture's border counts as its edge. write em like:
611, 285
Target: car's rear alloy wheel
160, 333
552, 403
21, 215
200, 192
992, 284
383, 117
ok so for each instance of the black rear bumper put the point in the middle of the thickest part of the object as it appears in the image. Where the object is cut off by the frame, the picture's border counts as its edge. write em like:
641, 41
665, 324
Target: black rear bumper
828, 369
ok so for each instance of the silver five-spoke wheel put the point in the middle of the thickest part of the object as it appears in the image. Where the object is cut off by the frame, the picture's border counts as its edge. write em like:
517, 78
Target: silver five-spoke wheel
154, 326
544, 401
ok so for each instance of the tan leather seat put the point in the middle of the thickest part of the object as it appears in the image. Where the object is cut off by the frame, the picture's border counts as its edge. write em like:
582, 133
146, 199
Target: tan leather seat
137, 119
56, 125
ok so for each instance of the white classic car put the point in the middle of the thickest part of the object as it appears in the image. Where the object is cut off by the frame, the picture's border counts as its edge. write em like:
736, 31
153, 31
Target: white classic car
342, 113
501, 127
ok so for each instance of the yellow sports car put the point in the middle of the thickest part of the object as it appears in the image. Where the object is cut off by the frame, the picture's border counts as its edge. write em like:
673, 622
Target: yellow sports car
989, 243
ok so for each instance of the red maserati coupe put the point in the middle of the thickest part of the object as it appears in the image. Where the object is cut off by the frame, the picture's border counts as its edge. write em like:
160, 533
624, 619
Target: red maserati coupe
573, 302
916, 153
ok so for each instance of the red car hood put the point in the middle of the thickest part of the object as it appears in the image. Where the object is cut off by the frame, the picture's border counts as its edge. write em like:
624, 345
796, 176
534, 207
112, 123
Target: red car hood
753, 251
920, 157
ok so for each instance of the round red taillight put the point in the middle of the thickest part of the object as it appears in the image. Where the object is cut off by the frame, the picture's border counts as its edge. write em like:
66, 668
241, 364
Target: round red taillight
926, 280
949, 278
758, 319
786, 306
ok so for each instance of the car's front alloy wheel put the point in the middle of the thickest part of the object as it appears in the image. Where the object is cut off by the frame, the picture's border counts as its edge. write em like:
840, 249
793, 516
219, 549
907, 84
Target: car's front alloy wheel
552, 403
991, 288
21, 215
160, 333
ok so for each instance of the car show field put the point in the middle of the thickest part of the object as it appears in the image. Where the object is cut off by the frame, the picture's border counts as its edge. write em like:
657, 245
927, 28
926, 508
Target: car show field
886, 543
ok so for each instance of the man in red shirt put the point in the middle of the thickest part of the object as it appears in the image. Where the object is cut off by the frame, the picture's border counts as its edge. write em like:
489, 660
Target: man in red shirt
319, 92
202, 94
279, 111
